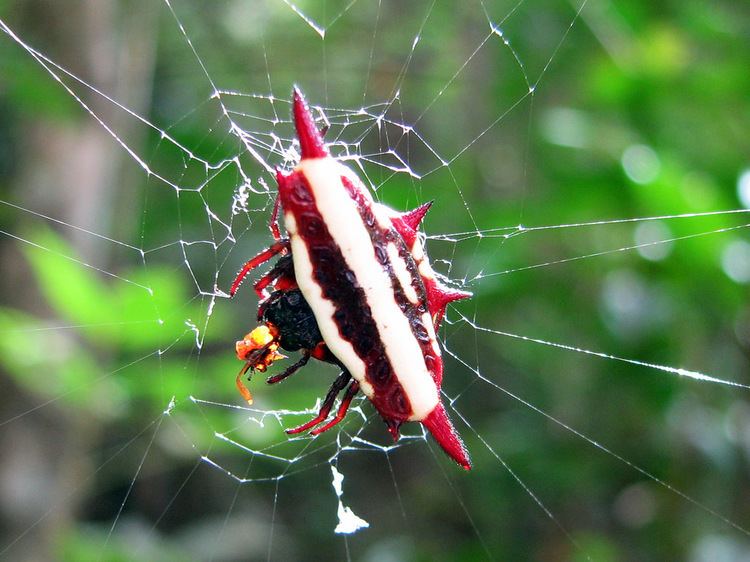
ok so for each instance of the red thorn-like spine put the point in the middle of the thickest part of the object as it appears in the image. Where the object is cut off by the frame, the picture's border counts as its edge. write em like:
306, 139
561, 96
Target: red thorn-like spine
439, 425
310, 140
439, 296
406, 223
414, 217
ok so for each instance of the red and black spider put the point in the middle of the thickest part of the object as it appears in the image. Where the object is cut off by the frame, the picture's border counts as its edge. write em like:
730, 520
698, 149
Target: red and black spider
287, 321
353, 287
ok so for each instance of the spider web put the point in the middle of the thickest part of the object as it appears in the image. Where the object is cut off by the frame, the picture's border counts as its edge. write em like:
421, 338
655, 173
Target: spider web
180, 466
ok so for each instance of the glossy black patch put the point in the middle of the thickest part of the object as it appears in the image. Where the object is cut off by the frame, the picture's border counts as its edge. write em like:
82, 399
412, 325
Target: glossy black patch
290, 313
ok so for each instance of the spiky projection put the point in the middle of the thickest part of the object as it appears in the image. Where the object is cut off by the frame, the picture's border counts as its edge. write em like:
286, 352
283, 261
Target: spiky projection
367, 282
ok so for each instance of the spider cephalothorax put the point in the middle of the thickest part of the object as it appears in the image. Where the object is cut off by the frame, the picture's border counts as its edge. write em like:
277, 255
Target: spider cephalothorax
353, 287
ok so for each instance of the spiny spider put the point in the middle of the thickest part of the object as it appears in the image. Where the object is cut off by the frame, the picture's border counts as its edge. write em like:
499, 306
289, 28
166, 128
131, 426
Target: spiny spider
352, 287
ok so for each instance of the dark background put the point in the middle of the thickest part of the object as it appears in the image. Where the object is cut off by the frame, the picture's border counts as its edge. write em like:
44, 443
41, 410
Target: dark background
113, 281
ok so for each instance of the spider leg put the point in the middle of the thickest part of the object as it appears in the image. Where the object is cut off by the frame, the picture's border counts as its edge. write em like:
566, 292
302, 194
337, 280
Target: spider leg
260, 285
351, 392
337, 386
290, 370
274, 222
284, 268
276, 248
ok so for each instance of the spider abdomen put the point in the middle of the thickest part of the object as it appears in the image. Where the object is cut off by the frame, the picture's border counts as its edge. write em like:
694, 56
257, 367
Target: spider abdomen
352, 289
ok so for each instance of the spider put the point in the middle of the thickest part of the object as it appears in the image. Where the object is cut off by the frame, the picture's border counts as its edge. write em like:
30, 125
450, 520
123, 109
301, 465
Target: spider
287, 321
353, 287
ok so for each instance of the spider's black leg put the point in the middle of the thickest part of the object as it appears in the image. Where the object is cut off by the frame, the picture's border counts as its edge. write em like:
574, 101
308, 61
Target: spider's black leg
351, 392
337, 386
290, 370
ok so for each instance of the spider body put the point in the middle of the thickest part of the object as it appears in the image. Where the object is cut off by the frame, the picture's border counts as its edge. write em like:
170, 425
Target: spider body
366, 281
289, 312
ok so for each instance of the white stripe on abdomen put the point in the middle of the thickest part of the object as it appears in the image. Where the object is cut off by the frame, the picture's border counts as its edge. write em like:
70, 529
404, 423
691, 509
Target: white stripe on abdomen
340, 214
323, 308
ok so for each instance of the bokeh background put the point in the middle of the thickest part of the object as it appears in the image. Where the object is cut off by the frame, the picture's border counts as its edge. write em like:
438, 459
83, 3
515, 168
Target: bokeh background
116, 341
